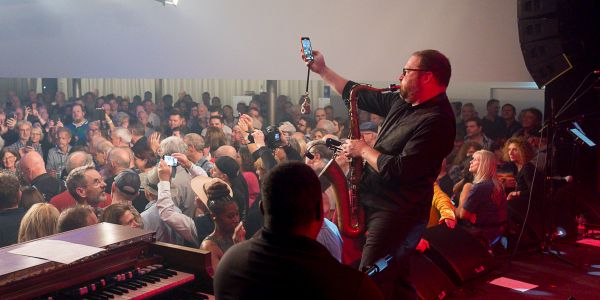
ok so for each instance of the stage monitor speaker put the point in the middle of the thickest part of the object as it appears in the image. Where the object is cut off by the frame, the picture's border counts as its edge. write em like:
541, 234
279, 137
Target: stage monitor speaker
555, 37
429, 280
458, 253
536, 8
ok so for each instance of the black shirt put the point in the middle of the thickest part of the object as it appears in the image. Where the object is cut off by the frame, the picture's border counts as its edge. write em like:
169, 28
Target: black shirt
511, 130
413, 141
524, 179
10, 220
48, 186
276, 266
494, 129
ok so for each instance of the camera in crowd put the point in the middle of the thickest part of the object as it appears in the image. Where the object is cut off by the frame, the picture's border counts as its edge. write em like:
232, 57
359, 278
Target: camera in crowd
272, 138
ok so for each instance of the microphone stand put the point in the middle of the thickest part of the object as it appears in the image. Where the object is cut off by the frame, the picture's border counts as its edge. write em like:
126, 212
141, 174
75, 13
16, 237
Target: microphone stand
548, 235
378, 266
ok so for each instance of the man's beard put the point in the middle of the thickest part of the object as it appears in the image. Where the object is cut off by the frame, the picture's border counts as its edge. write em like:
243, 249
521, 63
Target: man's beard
100, 199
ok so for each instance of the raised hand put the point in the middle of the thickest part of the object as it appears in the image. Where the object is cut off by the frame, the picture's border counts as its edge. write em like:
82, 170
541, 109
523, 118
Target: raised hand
259, 138
245, 123
154, 141
11, 123
182, 160
164, 171
239, 233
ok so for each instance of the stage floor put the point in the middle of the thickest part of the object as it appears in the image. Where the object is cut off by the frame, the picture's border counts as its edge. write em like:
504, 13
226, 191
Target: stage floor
554, 278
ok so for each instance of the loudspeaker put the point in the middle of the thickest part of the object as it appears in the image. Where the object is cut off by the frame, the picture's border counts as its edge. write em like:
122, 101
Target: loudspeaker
429, 280
556, 36
458, 253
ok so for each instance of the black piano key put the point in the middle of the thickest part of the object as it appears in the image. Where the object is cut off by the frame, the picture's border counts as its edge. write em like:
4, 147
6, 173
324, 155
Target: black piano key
163, 276
173, 272
148, 280
151, 276
114, 291
128, 286
107, 295
120, 289
132, 282
165, 273
142, 283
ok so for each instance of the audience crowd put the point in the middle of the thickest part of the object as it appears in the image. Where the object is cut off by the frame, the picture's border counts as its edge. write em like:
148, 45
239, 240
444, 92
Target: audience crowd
193, 171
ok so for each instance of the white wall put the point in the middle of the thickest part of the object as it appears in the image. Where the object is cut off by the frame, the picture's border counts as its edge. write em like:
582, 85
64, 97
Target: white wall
241, 39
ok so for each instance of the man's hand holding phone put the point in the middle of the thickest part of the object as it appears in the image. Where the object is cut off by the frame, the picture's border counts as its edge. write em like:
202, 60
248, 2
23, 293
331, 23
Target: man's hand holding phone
315, 60
11, 123
164, 171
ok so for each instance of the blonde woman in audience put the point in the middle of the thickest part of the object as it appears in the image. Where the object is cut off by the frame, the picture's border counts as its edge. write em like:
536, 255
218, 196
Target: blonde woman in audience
484, 208
39, 221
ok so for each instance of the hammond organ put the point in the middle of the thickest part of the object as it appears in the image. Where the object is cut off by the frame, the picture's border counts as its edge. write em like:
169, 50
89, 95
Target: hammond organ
132, 266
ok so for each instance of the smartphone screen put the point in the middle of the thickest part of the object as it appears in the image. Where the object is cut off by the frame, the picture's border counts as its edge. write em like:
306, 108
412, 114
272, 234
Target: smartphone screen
307, 48
170, 160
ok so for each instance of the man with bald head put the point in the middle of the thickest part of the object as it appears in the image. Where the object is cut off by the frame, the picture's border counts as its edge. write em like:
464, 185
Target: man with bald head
119, 159
226, 150
34, 171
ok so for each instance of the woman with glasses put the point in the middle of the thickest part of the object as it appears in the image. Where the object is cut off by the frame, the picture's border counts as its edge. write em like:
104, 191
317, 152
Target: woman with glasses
9, 158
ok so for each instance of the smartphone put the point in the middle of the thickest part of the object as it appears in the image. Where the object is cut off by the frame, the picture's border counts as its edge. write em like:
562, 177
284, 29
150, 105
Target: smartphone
307, 48
98, 114
29, 143
170, 160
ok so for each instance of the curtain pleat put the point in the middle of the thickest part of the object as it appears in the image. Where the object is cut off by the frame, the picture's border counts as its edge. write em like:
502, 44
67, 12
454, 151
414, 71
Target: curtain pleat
224, 89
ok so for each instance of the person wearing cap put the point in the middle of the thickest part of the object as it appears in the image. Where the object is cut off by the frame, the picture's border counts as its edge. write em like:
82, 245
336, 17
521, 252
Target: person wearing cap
151, 218
124, 189
368, 131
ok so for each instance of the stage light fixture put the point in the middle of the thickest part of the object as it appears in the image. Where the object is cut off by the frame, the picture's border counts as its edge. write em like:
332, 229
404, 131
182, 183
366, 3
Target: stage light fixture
170, 2
559, 232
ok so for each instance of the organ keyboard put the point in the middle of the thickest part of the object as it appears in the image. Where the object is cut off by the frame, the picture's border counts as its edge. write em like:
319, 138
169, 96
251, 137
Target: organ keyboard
133, 266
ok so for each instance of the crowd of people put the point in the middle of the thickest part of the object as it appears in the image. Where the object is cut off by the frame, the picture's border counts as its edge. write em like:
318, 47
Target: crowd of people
193, 171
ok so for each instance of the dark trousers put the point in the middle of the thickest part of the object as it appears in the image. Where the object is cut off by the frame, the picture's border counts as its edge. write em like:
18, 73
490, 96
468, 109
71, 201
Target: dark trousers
391, 234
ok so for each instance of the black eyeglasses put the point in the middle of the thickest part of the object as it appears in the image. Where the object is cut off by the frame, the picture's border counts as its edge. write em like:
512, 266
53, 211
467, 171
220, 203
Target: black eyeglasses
405, 70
